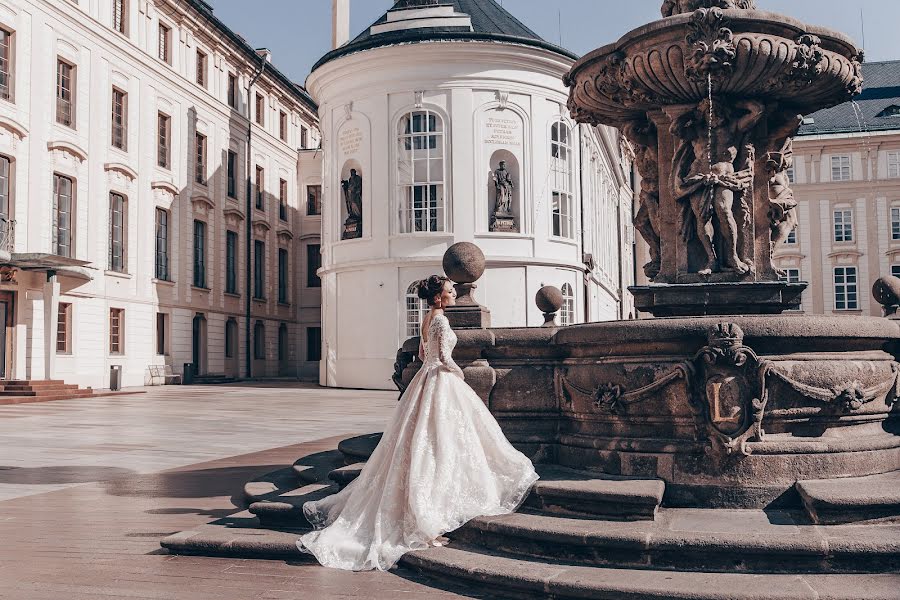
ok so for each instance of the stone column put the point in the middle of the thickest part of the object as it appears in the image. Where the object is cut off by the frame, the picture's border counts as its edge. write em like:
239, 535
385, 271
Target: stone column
51, 321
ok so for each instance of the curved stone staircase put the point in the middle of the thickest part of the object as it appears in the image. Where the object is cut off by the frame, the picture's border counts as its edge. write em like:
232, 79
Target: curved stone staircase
584, 535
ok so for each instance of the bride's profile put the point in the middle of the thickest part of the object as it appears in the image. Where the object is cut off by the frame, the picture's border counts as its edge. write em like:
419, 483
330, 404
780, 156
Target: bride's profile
442, 461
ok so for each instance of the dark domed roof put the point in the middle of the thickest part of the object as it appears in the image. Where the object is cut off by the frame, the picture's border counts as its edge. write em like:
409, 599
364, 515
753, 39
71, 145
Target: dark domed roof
474, 20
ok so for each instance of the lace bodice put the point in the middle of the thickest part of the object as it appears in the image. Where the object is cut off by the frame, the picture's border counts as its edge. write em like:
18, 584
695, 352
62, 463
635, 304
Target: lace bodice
438, 350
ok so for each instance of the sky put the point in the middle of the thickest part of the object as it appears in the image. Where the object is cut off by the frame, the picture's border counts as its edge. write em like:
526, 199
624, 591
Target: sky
298, 32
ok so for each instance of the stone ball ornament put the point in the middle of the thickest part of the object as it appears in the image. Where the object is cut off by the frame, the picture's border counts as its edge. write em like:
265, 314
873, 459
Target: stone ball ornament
549, 299
464, 262
886, 291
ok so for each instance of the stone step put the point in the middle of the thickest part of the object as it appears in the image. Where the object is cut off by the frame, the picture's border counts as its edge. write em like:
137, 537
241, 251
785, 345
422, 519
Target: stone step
344, 475
512, 577
287, 508
9, 400
269, 486
43, 392
315, 467
36, 386
360, 448
852, 500
35, 382
579, 493
694, 540
236, 542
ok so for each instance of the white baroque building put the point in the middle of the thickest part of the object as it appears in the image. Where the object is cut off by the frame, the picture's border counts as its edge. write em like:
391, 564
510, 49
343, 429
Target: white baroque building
125, 212
423, 105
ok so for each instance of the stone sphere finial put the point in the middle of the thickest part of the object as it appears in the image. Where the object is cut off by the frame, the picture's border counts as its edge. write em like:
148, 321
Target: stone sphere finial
464, 262
886, 291
549, 300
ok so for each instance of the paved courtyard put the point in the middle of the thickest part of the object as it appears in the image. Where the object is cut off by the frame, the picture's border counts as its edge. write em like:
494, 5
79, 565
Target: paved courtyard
88, 488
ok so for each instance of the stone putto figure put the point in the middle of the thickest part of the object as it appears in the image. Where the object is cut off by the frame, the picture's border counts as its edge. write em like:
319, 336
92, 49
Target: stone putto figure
780, 158
643, 138
503, 184
676, 7
713, 166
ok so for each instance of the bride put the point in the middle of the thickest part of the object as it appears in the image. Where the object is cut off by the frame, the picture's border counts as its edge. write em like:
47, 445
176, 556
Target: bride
442, 461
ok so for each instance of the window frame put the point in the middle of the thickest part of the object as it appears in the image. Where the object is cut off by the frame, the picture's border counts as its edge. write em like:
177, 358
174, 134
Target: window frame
162, 243
314, 204
282, 199
895, 222
284, 277
259, 340
7, 64
416, 308
562, 183
843, 226
260, 109
162, 334
792, 275
163, 140
201, 66
164, 43
260, 183
848, 287
70, 215
200, 159
64, 328
893, 165
793, 237
567, 314
231, 177
423, 204
200, 245
259, 270
119, 120
313, 264
838, 167
120, 16
65, 96
313, 344
118, 221
282, 126
6, 195
233, 91
232, 242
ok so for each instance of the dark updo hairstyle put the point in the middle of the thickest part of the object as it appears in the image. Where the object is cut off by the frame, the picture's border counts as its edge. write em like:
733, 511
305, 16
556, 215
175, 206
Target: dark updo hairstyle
431, 287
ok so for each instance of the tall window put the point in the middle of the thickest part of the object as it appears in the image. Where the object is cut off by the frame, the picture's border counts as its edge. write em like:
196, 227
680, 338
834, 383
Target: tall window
232, 91
260, 178
895, 223
231, 169
313, 200
843, 225
415, 311
162, 334
260, 109
164, 130
840, 168
282, 341
845, 288
791, 239
567, 311
119, 119
64, 328
304, 137
231, 243
259, 270
117, 224
282, 199
421, 172
791, 276
893, 164
162, 244
120, 16
201, 68
4, 197
165, 43
282, 126
231, 338
116, 331
313, 264
259, 341
199, 254
200, 161
5, 64
63, 213
283, 276
65, 93
561, 180
313, 344
895, 270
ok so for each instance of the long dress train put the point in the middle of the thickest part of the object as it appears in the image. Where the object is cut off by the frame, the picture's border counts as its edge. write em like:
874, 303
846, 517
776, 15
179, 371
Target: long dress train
442, 461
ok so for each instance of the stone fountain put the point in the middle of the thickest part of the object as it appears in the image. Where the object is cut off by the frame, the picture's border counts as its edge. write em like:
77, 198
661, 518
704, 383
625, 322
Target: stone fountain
726, 452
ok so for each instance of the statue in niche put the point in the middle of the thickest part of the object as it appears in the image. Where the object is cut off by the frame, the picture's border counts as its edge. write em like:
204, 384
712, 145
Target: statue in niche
780, 158
643, 137
713, 166
503, 218
352, 188
676, 7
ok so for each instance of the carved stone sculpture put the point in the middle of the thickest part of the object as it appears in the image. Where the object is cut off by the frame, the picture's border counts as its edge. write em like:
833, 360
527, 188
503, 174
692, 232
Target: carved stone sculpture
675, 7
643, 137
503, 218
779, 159
713, 167
352, 189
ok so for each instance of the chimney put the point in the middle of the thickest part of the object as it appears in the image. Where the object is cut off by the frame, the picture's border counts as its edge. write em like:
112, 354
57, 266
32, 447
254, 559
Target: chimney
340, 23
264, 53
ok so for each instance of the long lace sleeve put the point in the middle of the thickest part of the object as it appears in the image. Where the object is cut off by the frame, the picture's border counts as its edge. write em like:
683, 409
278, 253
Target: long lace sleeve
445, 345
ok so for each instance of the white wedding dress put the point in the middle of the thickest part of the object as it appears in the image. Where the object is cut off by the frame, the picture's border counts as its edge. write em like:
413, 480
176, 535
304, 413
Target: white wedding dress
442, 461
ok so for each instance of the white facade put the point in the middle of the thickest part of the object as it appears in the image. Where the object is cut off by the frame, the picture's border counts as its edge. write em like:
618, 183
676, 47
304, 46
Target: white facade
425, 125
151, 56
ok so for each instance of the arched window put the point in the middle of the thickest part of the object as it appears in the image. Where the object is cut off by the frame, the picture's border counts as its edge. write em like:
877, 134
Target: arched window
567, 311
415, 311
561, 180
259, 341
420, 171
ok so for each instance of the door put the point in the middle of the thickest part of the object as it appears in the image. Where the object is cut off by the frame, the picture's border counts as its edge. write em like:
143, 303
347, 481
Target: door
7, 316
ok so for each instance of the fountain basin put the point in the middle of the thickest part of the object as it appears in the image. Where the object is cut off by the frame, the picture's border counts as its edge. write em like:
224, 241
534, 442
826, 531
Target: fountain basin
728, 411
775, 58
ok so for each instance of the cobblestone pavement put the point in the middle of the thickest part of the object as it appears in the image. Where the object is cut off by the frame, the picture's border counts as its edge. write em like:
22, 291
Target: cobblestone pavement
88, 488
